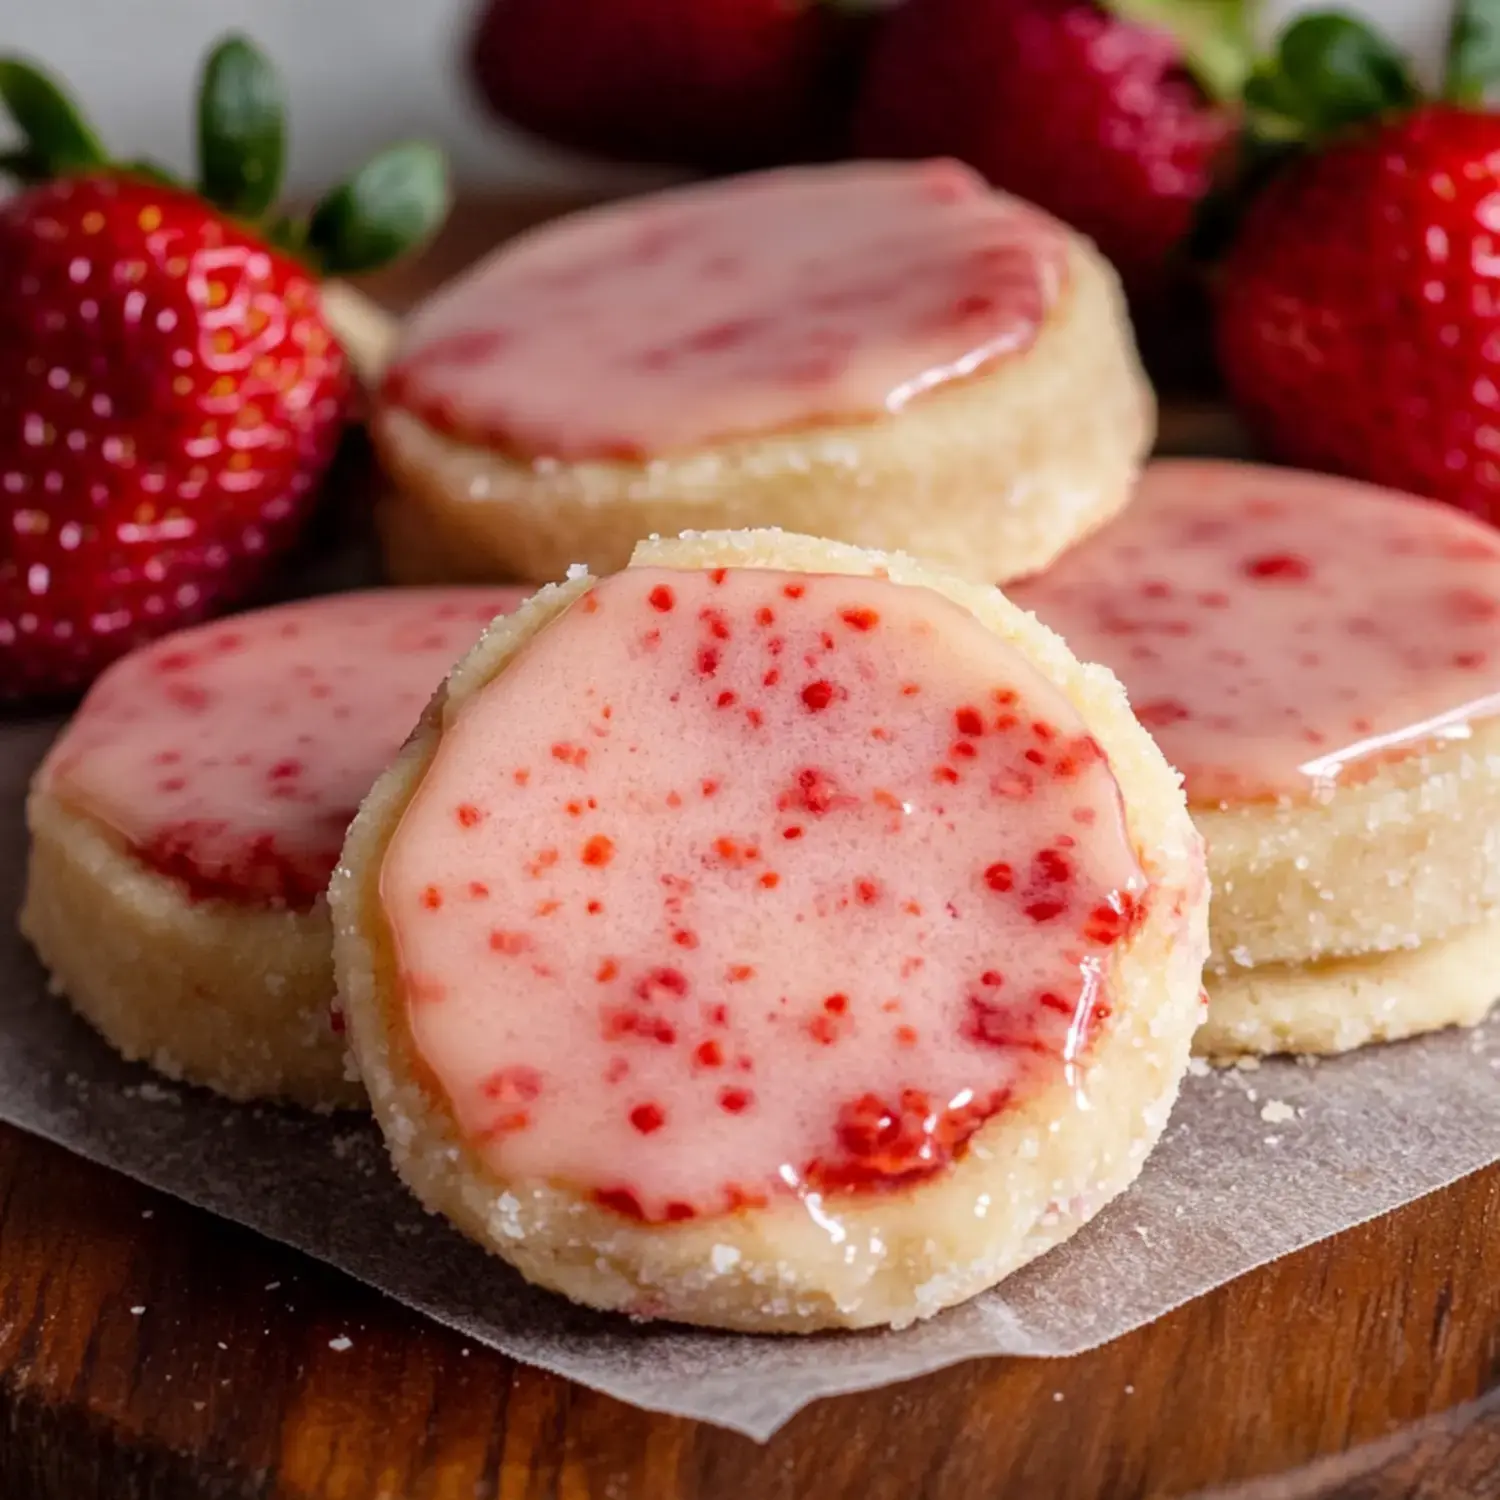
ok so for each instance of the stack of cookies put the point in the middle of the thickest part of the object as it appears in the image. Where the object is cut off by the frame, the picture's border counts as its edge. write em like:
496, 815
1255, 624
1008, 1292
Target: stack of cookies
1321, 662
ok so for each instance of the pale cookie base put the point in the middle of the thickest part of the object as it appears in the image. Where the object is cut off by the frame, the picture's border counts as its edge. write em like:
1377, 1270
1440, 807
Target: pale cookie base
1347, 1003
235, 998
993, 476
1031, 1177
1408, 856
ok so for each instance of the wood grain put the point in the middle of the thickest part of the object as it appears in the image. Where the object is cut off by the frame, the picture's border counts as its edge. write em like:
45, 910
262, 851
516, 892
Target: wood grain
226, 1383
150, 1352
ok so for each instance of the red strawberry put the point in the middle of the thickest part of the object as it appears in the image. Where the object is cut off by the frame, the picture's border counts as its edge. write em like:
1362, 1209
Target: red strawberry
170, 393
1098, 113
705, 83
1359, 310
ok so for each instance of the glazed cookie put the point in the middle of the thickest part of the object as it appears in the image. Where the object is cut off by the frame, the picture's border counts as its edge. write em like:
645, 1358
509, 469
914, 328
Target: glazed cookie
1321, 661
894, 355
774, 936
184, 826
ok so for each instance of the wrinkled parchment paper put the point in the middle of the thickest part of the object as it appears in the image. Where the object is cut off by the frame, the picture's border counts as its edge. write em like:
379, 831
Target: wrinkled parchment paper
1255, 1164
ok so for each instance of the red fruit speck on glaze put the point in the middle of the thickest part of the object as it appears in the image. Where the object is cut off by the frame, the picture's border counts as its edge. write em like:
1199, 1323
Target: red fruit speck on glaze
679, 993
1286, 567
598, 851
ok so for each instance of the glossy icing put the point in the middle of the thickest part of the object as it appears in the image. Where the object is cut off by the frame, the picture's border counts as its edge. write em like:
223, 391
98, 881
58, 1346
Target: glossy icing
1280, 631
232, 756
757, 305
743, 883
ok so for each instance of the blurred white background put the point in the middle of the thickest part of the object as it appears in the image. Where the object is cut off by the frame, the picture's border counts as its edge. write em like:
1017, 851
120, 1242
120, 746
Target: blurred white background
361, 73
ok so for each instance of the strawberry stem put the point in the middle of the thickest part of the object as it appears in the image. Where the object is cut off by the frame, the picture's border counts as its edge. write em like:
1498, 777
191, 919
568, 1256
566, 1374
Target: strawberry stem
1329, 72
1473, 52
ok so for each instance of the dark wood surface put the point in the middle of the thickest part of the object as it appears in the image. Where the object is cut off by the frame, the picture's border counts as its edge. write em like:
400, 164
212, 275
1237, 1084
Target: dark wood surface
150, 1352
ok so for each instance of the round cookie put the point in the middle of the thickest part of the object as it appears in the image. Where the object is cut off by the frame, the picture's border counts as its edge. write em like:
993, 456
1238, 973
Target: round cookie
1321, 661
772, 936
185, 823
890, 354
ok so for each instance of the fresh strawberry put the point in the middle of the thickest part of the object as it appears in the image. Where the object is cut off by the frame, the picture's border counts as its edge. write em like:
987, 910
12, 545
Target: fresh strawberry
1111, 116
705, 83
170, 393
1359, 307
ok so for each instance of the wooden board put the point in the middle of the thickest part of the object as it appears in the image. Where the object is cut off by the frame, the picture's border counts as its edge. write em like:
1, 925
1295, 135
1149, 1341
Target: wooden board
148, 1350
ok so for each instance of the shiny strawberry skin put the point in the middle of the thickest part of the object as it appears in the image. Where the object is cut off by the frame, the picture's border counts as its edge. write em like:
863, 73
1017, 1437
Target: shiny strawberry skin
1092, 117
718, 84
1359, 313
169, 396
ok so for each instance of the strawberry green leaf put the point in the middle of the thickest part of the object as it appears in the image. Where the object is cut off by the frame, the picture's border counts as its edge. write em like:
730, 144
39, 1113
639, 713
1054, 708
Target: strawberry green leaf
241, 129
390, 206
57, 138
1214, 36
1473, 52
1330, 71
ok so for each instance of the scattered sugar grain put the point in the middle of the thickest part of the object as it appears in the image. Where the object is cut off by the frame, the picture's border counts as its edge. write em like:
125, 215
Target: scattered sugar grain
340, 1344
153, 1093
135, 1312
1277, 1112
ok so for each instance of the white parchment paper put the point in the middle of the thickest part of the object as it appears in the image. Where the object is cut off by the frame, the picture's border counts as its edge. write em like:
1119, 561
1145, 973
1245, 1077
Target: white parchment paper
1255, 1164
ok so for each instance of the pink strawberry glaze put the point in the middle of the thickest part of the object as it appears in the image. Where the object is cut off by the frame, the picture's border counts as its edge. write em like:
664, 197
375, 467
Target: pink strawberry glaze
740, 883
759, 305
232, 756
1280, 631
